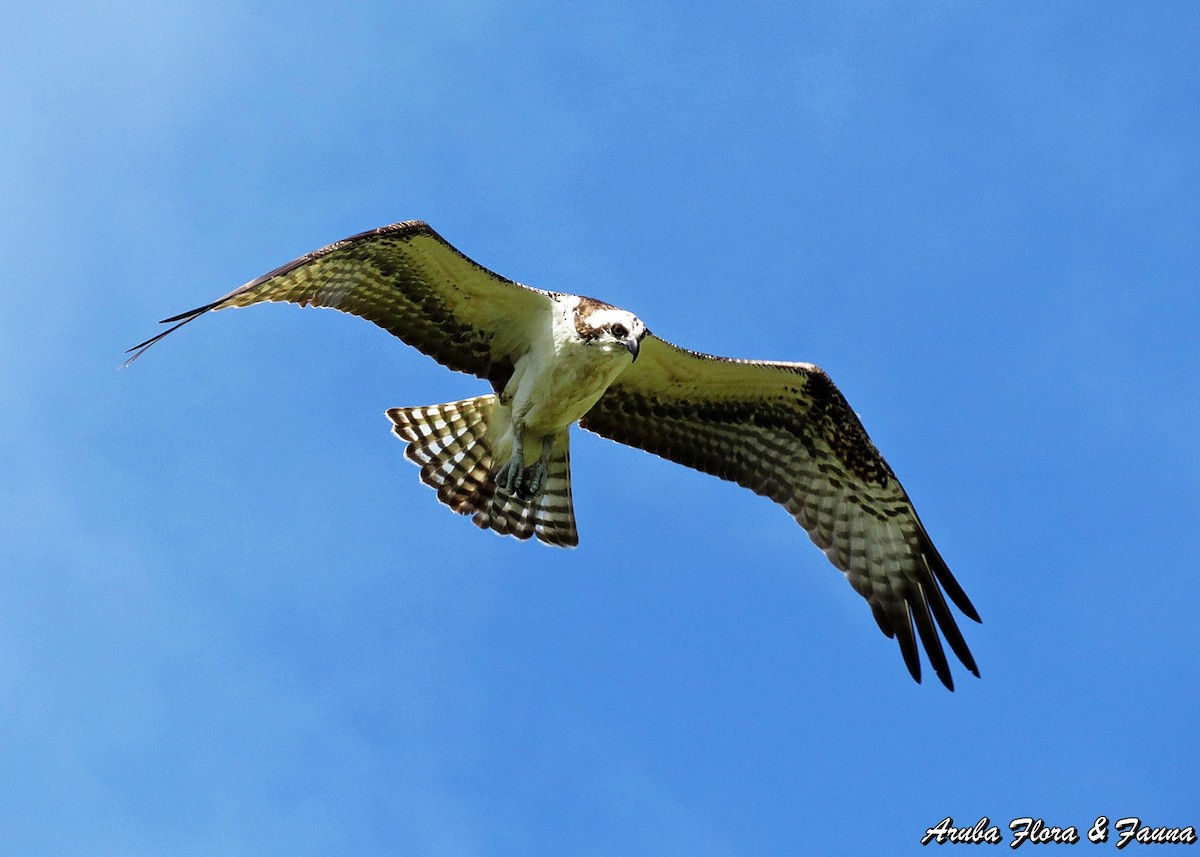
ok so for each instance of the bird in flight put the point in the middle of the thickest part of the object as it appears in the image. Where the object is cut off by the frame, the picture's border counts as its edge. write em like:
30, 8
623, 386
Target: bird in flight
783, 430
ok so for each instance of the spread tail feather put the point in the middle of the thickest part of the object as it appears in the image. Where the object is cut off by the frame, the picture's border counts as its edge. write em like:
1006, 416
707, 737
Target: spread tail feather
452, 445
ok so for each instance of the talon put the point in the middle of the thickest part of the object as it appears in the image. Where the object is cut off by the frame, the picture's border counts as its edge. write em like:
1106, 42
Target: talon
535, 478
535, 475
511, 475
524, 482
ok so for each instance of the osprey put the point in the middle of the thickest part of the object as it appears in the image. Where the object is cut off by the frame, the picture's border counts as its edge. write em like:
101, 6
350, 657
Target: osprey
782, 430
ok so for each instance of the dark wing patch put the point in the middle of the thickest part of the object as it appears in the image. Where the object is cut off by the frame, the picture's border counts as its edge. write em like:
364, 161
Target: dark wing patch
411, 282
785, 431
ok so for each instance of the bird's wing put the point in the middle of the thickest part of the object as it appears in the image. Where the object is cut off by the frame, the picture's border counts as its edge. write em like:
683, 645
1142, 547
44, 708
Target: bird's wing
785, 431
411, 282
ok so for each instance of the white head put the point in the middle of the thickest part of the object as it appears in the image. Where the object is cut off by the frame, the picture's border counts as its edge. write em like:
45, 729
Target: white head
608, 327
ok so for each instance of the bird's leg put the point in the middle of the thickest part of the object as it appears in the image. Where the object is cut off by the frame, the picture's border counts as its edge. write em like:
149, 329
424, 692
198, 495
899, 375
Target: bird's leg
535, 476
511, 474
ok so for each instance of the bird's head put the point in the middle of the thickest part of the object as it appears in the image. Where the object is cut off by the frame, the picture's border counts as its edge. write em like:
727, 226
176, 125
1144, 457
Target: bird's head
605, 326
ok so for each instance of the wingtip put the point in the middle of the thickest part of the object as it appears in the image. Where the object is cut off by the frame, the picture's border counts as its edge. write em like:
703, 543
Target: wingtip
906, 638
914, 669
138, 350
947, 680
176, 322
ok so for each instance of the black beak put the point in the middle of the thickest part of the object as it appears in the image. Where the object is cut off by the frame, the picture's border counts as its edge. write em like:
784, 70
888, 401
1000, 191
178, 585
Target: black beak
632, 346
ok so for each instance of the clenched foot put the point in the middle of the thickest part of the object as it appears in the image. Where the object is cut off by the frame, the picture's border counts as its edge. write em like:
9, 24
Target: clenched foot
511, 477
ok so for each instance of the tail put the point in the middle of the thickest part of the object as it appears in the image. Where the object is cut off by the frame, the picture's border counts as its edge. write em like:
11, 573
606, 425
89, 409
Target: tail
452, 444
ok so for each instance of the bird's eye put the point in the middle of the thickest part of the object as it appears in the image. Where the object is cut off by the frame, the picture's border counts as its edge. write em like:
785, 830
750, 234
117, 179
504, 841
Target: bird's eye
619, 331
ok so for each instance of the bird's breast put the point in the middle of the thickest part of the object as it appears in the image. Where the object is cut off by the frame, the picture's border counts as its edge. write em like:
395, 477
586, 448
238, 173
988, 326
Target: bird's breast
561, 387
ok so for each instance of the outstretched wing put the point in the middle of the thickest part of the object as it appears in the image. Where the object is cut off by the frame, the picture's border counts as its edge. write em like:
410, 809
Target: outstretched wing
411, 282
785, 431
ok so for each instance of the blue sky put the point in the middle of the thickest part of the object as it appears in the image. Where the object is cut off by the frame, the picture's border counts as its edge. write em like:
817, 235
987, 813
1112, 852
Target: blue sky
232, 621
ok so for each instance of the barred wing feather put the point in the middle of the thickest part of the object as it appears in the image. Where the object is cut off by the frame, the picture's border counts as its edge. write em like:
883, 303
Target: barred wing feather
785, 431
411, 282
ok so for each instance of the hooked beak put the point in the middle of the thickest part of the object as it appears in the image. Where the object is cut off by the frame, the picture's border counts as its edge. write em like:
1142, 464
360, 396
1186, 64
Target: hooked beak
632, 346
